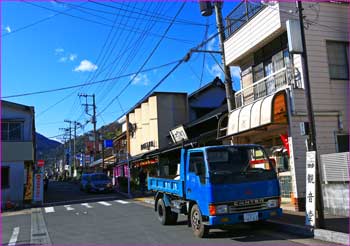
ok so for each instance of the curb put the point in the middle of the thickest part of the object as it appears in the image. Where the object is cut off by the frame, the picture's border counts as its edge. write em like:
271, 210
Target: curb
291, 228
332, 236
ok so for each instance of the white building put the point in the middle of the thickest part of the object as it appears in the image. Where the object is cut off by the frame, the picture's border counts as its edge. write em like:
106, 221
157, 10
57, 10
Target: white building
17, 153
271, 101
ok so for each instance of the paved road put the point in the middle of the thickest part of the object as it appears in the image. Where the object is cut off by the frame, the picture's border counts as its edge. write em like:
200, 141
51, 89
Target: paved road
122, 221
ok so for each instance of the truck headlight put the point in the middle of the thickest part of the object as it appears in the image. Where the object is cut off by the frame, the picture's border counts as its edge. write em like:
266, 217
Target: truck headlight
221, 209
272, 203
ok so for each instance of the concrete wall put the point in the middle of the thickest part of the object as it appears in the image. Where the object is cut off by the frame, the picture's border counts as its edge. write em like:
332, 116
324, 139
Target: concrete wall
14, 192
336, 199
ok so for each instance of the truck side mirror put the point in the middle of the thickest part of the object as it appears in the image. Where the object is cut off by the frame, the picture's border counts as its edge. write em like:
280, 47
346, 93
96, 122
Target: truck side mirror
198, 170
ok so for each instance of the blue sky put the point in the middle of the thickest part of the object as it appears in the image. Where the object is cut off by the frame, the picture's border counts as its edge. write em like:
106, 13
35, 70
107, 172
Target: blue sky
48, 45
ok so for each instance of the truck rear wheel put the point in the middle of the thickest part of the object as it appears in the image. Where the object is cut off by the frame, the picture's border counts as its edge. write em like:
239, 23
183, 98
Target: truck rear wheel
165, 215
199, 229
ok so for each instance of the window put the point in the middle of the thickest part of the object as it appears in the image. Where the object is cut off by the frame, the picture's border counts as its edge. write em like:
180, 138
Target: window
12, 131
338, 53
343, 143
5, 177
195, 158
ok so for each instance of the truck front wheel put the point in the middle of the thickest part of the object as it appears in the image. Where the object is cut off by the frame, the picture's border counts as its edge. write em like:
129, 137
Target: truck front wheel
199, 229
165, 215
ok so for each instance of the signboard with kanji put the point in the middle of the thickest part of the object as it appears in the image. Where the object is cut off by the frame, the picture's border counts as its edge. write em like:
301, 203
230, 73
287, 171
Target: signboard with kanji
310, 188
38, 187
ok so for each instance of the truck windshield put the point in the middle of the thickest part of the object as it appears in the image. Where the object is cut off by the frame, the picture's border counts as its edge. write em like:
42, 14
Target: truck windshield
238, 164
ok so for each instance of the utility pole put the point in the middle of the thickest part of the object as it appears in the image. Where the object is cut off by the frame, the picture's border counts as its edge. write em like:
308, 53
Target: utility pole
206, 10
75, 123
93, 118
310, 113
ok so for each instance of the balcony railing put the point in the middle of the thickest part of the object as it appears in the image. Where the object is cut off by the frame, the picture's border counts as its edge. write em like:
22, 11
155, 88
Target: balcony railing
264, 87
241, 14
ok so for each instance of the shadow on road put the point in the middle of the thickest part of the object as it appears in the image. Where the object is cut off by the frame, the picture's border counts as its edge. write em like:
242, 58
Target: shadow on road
65, 192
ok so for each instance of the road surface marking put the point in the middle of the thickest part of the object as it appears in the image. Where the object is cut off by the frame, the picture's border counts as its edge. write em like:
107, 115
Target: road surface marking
14, 236
121, 201
49, 210
86, 205
105, 203
68, 207
38, 230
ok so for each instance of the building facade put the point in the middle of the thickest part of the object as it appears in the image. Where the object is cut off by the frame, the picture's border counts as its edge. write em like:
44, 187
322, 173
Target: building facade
271, 104
17, 153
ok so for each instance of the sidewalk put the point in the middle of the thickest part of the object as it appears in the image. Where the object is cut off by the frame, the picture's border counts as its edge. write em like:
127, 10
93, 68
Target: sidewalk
336, 228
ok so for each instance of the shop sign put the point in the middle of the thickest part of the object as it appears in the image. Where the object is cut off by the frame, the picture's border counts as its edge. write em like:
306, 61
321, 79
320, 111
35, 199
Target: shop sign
148, 145
178, 134
38, 187
108, 143
310, 188
29, 186
146, 162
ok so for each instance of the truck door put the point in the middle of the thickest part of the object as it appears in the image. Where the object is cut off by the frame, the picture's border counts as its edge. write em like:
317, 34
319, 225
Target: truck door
196, 177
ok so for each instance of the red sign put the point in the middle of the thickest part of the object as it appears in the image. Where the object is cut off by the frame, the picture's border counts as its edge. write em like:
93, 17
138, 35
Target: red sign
284, 138
41, 163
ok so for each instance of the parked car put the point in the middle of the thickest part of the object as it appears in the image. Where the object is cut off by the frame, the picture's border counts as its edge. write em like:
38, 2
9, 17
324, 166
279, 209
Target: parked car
96, 182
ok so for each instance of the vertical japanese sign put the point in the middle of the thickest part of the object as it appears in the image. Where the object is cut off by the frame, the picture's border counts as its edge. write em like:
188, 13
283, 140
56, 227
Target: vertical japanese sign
310, 188
38, 186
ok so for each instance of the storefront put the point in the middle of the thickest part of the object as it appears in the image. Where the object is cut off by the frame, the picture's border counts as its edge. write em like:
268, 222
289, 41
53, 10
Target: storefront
264, 122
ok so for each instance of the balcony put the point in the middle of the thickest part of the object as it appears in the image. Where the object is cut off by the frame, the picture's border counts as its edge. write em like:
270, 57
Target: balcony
240, 15
251, 26
268, 85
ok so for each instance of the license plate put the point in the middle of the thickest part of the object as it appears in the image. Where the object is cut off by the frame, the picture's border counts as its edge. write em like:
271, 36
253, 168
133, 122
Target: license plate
251, 217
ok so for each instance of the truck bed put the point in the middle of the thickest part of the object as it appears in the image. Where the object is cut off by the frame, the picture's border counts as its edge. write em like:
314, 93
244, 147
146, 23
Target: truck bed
174, 187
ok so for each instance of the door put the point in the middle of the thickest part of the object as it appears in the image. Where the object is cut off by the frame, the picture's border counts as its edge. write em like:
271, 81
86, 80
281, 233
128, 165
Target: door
196, 177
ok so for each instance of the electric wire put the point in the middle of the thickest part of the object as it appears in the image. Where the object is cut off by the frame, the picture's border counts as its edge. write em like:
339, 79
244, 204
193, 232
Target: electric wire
148, 58
93, 82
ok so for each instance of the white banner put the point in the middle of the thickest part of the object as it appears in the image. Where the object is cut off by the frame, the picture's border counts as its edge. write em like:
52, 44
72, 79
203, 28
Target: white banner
310, 211
38, 187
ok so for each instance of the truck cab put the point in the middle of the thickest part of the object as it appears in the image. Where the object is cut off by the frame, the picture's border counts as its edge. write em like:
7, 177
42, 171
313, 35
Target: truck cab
220, 185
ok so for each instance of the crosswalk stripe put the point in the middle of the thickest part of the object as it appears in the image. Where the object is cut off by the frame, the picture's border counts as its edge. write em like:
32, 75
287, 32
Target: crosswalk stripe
86, 205
49, 210
14, 236
105, 203
121, 201
68, 207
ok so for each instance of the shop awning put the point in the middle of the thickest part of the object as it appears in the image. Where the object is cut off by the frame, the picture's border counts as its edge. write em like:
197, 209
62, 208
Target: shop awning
268, 110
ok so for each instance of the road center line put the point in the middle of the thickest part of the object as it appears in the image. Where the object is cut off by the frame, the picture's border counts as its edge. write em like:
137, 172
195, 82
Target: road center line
14, 236
121, 201
105, 203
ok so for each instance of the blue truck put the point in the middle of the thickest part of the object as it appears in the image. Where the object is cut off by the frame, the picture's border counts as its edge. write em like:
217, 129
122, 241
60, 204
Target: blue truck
218, 186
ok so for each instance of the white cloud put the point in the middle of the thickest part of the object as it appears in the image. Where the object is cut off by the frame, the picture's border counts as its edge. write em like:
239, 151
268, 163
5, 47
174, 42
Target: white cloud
63, 59
8, 29
140, 79
85, 66
72, 57
59, 50
215, 70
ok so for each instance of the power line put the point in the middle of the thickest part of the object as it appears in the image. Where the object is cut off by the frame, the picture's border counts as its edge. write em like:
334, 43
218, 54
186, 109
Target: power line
39, 21
103, 24
145, 62
168, 19
89, 83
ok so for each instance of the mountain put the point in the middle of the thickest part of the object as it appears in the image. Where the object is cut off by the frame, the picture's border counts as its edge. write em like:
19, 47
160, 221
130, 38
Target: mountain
45, 147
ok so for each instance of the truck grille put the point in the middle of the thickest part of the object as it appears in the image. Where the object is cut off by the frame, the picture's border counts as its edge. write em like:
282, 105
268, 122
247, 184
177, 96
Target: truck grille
248, 205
